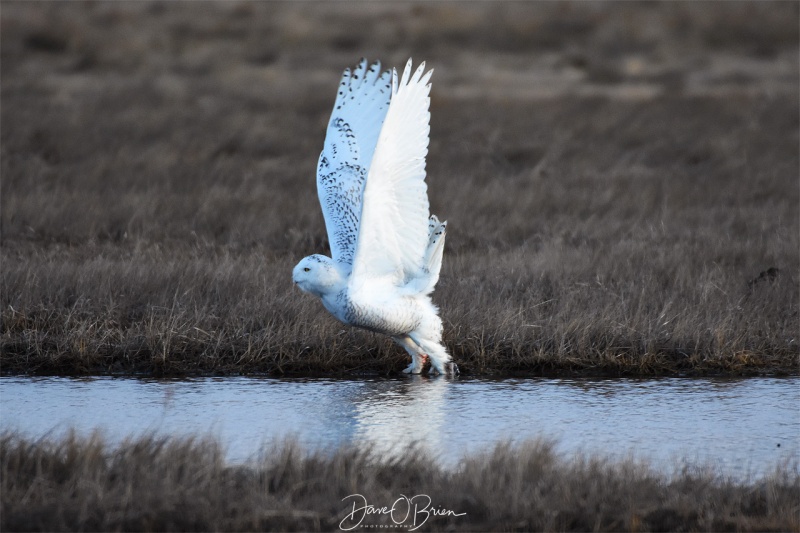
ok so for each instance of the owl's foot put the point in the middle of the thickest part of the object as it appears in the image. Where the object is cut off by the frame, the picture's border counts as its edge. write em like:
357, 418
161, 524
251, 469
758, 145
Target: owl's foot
418, 363
448, 369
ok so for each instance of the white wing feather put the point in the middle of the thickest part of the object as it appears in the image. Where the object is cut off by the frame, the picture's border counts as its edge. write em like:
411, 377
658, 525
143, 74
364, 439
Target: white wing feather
393, 234
358, 114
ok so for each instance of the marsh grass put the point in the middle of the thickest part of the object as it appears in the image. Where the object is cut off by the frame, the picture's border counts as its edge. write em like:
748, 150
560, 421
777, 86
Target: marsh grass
164, 484
158, 185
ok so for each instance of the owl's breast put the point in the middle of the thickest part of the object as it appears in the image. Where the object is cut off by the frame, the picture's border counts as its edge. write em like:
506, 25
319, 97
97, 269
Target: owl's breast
394, 316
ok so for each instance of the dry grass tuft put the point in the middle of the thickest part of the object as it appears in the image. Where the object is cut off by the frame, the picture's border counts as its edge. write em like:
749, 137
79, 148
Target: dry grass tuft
616, 178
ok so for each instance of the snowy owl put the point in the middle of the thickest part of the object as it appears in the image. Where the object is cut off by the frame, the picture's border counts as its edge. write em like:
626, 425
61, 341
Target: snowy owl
386, 249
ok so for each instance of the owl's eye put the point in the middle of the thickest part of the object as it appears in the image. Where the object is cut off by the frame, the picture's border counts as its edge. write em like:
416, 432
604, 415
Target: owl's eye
306, 269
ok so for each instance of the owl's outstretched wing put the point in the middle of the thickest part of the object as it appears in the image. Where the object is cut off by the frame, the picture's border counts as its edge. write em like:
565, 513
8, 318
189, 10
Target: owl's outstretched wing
358, 114
393, 233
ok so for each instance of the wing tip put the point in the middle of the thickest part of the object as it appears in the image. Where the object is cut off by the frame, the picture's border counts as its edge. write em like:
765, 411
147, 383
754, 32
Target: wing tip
419, 77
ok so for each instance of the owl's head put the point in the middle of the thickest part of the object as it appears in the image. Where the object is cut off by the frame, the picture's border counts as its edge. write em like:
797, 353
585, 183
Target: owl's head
318, 275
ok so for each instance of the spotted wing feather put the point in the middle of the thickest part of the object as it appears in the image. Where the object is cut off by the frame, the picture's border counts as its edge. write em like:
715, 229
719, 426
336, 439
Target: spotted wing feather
355, 124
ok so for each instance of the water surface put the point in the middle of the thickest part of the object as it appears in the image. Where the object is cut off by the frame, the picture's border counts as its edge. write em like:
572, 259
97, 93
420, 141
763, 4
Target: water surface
742, 427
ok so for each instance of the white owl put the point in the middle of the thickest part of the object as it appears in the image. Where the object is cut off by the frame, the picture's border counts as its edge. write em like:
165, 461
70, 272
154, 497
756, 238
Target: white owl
387, 251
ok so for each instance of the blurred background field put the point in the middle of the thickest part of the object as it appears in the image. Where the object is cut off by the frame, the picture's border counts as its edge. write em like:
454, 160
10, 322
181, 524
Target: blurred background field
620, 179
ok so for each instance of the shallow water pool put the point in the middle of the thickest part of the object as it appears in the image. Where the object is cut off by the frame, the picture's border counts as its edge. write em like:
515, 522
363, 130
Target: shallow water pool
742, 427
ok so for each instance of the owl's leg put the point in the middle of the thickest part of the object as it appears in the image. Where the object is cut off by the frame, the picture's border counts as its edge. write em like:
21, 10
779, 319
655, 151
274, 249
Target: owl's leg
441, 362
418, 358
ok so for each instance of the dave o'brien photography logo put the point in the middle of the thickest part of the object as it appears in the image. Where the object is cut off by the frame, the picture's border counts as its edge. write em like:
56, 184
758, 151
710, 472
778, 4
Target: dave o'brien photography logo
409, 513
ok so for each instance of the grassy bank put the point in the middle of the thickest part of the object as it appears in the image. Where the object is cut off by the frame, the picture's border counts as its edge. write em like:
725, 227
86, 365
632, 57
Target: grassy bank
616, 178
155, 484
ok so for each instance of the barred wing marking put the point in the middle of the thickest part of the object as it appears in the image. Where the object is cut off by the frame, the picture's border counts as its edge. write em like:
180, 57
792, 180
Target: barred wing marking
353, 129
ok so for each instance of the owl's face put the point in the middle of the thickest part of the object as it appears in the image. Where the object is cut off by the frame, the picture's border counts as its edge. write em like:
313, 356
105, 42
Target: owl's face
317, 275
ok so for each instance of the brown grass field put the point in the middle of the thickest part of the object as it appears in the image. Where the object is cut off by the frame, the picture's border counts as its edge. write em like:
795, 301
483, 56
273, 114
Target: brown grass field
169, 484
620, 179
